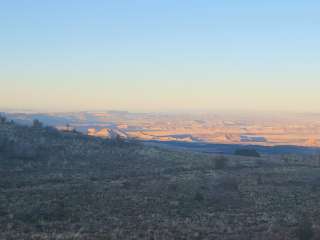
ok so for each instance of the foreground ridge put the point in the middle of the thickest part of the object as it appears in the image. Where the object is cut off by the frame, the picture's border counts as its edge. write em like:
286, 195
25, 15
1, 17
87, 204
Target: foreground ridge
65, 185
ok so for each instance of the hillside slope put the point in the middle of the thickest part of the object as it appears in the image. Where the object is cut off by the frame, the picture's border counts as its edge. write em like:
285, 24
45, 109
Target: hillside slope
64, 185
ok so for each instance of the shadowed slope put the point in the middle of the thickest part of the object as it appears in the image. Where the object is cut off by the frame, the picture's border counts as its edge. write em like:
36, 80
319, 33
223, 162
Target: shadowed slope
69, 186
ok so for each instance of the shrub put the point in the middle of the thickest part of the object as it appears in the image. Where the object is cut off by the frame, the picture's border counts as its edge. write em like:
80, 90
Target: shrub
3, 119
117, 140
53, 131
198, 197
37, 124
4, 143
220, 162
304, 230
22, 150
229, 184
247, 152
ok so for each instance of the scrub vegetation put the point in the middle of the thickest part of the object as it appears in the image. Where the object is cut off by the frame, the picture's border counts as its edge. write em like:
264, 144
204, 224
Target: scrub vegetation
66, 185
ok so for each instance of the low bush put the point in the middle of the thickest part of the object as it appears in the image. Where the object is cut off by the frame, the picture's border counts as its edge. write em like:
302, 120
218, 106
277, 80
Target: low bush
20, 150
229, 184
247, 152
3, 119
305, 230
220, 162
37, 124
198, 197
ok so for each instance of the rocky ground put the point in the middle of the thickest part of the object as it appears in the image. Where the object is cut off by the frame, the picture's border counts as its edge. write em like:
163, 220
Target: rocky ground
63, 185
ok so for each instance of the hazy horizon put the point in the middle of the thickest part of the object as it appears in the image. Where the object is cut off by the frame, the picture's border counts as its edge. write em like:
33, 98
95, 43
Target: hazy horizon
163, 111
160, 55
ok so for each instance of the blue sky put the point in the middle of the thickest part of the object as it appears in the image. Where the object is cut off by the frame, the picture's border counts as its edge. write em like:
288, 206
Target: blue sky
160, 55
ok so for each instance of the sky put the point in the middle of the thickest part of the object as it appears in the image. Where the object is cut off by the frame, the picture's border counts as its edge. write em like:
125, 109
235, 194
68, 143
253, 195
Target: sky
160, 55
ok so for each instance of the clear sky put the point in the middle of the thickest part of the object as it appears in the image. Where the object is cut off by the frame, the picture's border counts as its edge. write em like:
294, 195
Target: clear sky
150, 55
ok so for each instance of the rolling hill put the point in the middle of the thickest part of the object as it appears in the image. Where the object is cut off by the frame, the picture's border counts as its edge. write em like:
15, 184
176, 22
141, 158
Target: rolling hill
66, 185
